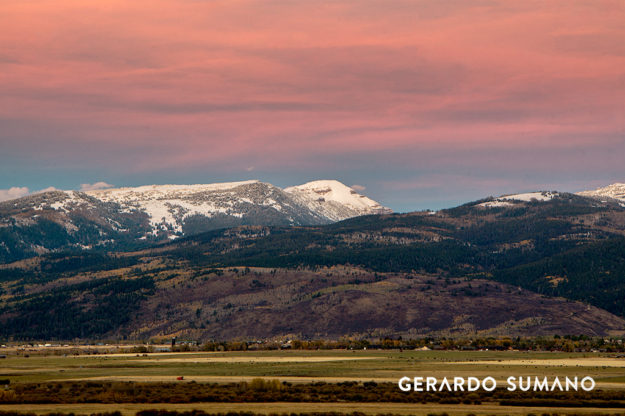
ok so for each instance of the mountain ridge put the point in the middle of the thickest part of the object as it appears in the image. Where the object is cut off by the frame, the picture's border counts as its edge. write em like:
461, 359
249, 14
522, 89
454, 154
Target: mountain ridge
614, 191
123, 218
537, 267
542, 263
56, 220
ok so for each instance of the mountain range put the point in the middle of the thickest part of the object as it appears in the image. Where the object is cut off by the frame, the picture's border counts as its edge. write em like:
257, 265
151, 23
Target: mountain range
538, 263
113, 218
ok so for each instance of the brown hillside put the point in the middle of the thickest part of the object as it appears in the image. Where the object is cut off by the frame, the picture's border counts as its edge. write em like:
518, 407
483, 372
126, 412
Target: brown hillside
263, 303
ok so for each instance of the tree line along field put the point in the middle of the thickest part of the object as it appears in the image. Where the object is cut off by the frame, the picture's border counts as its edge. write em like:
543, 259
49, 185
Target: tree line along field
303, 381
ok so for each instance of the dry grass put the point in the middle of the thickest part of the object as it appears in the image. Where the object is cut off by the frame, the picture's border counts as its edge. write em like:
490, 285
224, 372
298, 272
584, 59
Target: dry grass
560, 362
368, 408
229, 379
312, 366
256, 359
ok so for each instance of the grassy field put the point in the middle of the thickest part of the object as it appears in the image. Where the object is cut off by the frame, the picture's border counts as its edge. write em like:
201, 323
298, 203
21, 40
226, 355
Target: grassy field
334, 365
331, 366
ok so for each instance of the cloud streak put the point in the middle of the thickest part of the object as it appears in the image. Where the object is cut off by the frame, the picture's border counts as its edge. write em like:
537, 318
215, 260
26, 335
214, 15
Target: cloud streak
95, 186
13, 193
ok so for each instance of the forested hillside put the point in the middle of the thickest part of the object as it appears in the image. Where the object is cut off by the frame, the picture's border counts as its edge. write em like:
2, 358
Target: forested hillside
477, 268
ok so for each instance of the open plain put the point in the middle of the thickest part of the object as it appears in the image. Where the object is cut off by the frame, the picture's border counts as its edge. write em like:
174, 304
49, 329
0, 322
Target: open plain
55, 370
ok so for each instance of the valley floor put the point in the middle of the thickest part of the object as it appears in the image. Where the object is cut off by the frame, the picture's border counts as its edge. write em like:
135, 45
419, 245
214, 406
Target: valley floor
63, 372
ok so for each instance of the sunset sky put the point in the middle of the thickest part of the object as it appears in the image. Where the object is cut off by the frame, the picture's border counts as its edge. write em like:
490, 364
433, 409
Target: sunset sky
423, 104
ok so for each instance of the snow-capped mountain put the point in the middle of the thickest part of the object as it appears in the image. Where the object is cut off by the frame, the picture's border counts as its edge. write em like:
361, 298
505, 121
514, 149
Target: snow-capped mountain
611, 195
172, 207
62, 219
334, 200
169, 207
614, 191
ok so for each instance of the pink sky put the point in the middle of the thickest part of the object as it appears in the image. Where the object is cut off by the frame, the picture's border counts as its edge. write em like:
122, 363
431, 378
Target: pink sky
394, 92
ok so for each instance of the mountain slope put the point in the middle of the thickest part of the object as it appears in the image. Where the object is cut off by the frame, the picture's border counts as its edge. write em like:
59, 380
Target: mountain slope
119, 218
153, 298
334, 200
221, 205
568, 246
542, 263
343, 301
615, 191
65, 220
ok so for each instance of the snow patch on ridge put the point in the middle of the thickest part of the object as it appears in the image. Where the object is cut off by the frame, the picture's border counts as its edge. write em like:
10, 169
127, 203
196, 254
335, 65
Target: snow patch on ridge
614, 191
335, 200
168, 206
495, 204
159, 191
512, 200
527, 197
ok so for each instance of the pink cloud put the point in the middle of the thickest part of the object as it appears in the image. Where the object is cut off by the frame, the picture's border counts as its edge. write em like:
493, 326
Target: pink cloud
164, 85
